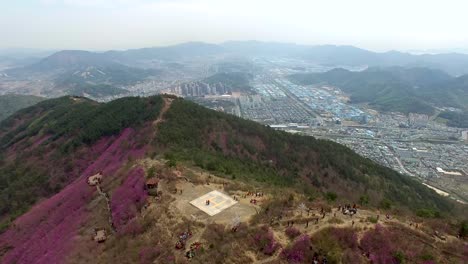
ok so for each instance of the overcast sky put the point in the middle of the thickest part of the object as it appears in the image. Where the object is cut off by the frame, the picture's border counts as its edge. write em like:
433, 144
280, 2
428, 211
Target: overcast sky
121, 24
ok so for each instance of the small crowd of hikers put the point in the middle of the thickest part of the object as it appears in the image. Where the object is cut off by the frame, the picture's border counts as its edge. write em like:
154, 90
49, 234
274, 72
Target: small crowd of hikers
319, 260
348, 209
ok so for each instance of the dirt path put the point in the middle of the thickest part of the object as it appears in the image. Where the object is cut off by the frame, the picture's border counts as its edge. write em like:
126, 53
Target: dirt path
109, 209
167, 105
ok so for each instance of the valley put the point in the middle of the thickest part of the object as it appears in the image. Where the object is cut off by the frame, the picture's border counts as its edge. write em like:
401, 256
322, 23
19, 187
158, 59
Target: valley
415, 144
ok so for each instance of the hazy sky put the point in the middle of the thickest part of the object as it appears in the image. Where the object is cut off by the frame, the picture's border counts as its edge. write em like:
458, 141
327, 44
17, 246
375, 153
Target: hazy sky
121, 24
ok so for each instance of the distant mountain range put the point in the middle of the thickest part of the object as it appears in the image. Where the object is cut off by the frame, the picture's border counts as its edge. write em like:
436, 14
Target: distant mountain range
452, 63
13, 58
83, 73
107, 73
416, 90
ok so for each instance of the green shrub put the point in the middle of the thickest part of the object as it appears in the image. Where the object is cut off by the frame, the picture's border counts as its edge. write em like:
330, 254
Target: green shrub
386, 204
427, 257
399, 257
151, 172
364, 199
372, 219
331, 196
428, 213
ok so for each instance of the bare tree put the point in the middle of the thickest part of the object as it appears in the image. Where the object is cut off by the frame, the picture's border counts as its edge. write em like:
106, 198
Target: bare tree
302, 208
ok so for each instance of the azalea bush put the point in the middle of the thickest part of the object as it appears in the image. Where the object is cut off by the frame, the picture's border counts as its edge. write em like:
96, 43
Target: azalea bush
340, 245
300, 251
378, 243
127, 200
148, 254
346, 237
265, 242
292, 232
45, 233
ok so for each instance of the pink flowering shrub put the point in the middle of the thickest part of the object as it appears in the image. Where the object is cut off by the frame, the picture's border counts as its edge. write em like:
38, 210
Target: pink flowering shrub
346, 237
378, 243
127, 200
148, 254
115, 155
265, 242
340, 245
45, 233
292, 232
39, 140
300, 251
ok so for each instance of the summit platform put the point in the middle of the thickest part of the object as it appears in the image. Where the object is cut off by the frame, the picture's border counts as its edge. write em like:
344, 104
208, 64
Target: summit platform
218, 202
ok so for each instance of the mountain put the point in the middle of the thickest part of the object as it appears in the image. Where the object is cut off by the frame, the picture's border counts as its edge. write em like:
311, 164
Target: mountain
413, 90
11, 103
332, 55
85, 66
128, 66
259, 48
453, 63
14, 58
71, 60
189, 50
78, 72
455, 119
48, 211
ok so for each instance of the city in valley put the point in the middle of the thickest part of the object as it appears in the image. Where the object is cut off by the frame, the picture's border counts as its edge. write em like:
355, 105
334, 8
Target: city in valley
417, 145
261, 89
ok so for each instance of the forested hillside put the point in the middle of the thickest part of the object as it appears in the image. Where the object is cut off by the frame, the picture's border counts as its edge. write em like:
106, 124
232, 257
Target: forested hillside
49, 150
46, 147
237, 81
415, 90
221, 143
246, 150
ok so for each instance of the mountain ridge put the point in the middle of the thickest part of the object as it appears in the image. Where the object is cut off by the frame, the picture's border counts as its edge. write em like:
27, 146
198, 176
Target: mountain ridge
49, 150
453, 63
